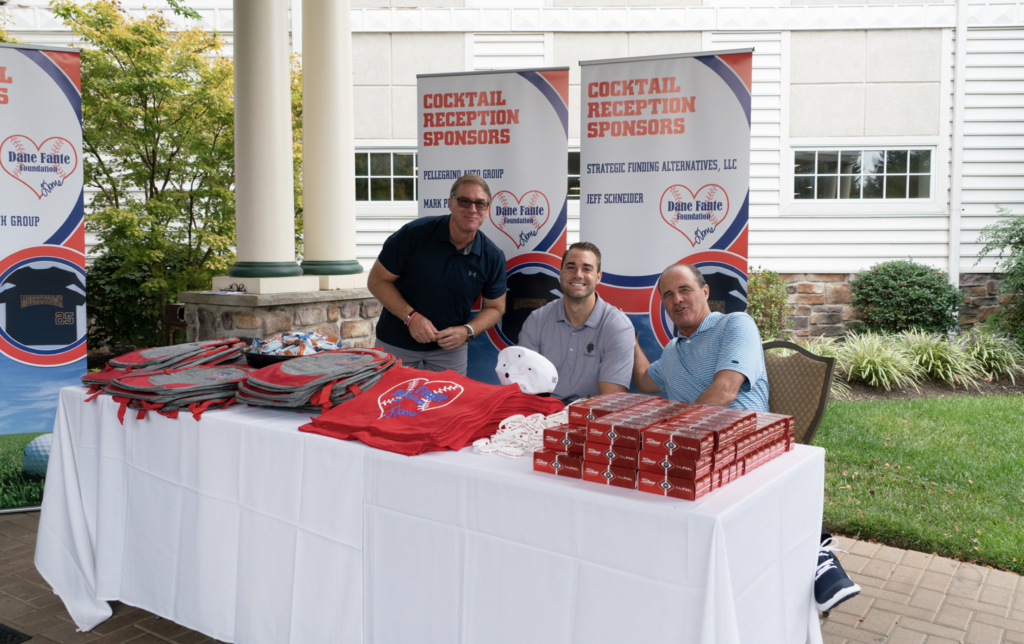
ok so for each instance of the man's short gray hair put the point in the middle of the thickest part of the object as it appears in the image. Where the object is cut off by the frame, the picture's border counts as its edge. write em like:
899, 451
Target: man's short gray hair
470, 178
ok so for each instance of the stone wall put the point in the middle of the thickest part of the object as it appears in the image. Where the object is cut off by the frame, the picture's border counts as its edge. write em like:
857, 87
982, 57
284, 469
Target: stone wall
350, 314
823, 303
981, 297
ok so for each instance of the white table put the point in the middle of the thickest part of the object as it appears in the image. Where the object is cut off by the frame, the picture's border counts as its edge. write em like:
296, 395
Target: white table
243, 528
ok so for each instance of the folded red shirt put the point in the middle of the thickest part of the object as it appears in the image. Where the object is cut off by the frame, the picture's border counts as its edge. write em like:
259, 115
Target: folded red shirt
421, 411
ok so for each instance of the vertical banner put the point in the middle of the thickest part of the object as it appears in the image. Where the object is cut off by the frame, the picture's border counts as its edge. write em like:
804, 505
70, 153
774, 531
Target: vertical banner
42, 234
511, 128
665, 178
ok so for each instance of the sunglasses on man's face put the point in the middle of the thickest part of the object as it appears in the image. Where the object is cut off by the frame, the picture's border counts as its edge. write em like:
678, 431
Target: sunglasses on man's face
466, 203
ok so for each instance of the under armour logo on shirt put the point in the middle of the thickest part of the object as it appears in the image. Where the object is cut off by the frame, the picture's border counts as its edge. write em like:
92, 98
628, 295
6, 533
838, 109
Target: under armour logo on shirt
472, 273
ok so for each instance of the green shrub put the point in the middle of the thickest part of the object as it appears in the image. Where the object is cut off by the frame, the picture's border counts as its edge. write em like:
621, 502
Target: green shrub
1005, 240
994, 354
120, 313
941, 358
879, 361
897, 296
767, 303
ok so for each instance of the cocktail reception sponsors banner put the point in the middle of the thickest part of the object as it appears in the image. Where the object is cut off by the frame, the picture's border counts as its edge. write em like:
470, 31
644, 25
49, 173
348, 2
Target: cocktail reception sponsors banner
511, 128
665, 177
42, 234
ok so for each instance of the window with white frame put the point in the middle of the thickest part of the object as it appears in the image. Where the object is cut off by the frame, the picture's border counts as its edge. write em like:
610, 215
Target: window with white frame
386, 176
867, 174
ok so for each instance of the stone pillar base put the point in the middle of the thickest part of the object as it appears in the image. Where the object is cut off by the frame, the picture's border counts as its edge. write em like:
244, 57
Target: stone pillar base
270, 285
335, 282
350, 314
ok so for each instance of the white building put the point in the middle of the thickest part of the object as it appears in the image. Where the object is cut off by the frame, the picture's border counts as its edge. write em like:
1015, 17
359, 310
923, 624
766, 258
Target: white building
879, 132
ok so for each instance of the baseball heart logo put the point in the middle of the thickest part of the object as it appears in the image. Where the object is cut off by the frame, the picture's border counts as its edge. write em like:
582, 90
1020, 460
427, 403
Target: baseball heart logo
417, 395
695, 214
520, 219
42, 167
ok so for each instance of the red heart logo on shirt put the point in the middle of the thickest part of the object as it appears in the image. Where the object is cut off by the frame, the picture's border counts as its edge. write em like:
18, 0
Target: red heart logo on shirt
418, 395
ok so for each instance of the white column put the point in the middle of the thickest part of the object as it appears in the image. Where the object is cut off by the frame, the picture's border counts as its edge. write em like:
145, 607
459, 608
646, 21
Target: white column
328, 164
264, 202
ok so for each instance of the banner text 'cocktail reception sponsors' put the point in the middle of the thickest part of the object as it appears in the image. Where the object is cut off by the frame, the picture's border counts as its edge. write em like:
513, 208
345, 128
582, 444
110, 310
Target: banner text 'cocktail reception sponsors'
511, 128
42, 235
665, 176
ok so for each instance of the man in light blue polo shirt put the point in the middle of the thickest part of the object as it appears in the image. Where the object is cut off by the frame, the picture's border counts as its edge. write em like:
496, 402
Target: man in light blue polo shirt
717, 359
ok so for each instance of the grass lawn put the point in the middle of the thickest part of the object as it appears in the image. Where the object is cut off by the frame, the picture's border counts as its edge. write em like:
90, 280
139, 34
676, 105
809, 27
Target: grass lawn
941, 475
17, 489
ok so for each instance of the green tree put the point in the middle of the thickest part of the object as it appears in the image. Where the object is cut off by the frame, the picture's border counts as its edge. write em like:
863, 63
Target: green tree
296, 97
1005, 240
767, 303
158, 139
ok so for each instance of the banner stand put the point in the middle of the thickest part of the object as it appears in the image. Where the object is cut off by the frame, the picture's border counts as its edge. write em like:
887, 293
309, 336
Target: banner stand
665, 177
511, 127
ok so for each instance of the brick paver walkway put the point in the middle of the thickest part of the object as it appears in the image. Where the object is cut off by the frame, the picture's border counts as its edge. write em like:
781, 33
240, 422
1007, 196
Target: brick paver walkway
908, 598
28, 605
912, 598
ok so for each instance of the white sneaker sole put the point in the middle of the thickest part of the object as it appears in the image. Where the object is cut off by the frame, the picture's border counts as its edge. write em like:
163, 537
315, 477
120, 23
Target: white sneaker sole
839, 598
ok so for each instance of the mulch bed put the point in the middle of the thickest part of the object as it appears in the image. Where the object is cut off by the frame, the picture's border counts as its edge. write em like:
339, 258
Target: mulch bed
930, 389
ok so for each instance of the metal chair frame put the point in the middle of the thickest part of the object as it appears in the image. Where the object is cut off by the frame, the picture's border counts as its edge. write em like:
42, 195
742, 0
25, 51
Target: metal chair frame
826, 387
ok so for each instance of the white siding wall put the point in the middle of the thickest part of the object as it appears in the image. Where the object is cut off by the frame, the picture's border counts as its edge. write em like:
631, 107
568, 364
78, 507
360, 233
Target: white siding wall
861, 88
993, 168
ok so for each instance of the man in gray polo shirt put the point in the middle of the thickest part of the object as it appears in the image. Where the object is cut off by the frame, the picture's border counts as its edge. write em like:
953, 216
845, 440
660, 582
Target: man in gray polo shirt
589, 341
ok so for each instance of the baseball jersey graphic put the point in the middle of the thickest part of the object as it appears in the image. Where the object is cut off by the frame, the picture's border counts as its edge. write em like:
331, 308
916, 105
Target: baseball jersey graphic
41, 308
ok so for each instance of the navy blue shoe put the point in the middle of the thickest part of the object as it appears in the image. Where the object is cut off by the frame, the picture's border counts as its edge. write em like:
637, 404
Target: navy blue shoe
832, 586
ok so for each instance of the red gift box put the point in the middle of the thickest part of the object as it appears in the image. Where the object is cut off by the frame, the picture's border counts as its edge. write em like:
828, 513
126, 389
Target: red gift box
665, 485
726, 424
675, 465
722, 457
558, 463
565, 438
580, 413
601, 453
609, 475
620, 430
767, 418
663, 439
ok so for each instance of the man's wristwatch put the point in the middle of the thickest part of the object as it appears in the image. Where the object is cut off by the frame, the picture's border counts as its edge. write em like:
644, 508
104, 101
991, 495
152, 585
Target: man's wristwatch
472, 334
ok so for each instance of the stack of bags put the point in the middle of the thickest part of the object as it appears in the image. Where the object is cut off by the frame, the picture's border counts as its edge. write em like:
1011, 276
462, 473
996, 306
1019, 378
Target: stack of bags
177, 356
316, 382
167, 391
663, 447
427, 411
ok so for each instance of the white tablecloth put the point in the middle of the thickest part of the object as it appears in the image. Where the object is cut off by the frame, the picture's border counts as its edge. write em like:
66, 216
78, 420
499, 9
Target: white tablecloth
243, 528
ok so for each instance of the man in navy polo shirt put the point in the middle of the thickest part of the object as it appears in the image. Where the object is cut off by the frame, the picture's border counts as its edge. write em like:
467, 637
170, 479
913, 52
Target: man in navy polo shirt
717, 359
428, 275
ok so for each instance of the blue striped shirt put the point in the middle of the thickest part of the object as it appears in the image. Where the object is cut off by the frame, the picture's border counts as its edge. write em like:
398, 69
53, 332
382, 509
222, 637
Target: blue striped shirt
688, 365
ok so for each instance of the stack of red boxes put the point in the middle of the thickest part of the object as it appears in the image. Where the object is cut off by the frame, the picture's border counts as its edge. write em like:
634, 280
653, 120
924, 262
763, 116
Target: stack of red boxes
660, 446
